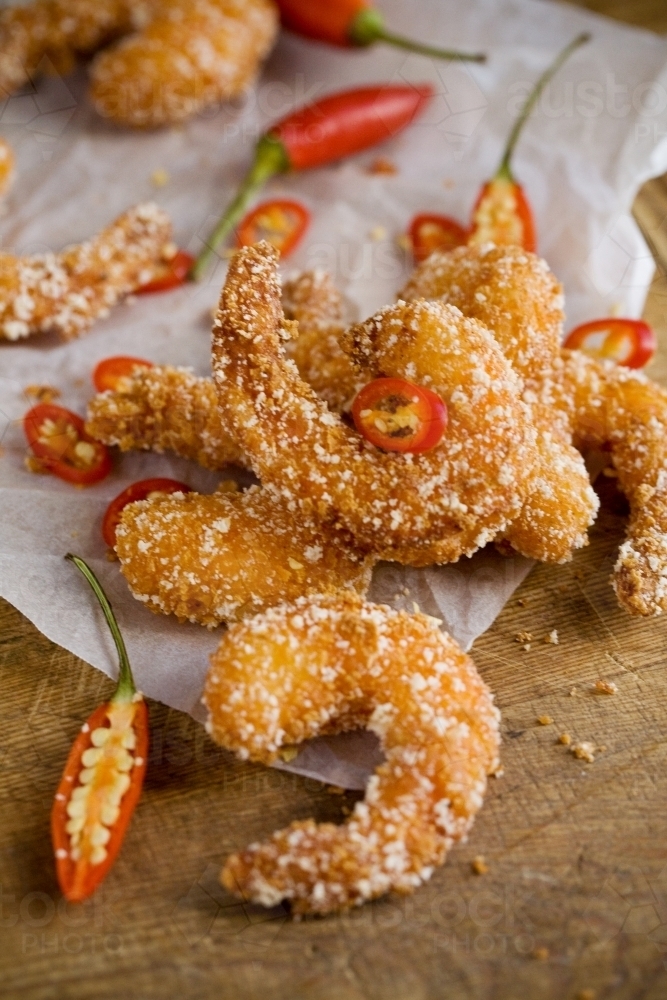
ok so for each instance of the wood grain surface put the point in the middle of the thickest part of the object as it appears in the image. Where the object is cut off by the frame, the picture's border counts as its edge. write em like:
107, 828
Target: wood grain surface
575, 898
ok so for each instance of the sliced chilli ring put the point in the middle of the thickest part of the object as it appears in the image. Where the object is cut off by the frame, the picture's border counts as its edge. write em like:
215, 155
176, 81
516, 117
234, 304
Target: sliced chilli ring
58, 439
397, 415
141, 490
629, 342
428, 233
169, 274
111, 373
282, 222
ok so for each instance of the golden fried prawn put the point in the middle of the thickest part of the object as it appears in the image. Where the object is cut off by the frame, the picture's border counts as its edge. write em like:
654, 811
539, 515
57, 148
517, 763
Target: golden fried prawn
189, 54
413, 508
210, 559
165, 409
66, 292
327, 665
56, 32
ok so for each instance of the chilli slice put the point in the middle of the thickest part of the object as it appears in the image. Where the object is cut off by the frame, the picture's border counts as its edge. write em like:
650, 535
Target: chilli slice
281, 222
397, 415
145, 489
169, 274
58, 440
435, 232
629, 342
112, 374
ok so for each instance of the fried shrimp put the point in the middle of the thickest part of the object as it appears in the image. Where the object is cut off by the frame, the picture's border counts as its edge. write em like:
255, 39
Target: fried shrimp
621, 410
48, 35
516, 296
417, 509
210, 559
327, 665
66, 292
164, 409
170, 409
190, 54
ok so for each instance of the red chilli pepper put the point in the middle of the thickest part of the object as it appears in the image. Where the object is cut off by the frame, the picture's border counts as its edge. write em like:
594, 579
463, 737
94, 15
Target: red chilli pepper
397, 415
281, 222
168, 274
59, 442
629, 342
111, 374
338, 125
353, 22
102, 780
435, 232
502, 214
143, 490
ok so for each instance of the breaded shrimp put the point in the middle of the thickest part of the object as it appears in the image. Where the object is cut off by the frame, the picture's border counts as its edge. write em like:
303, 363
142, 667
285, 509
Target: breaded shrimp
417, 509
66, 292
326, 665
218, 558
515, 294
190, 54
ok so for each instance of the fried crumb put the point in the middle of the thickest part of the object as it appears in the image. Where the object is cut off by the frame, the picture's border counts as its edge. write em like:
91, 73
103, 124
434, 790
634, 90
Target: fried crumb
584, 751
545, 720
416, 608
565, 739
403, 242
160, 177
605, 687
335, 790
377, 234
573, 692
552, 637
110, 555
523, 637
541, 953
42, 393
449, 183
521, 601
227, 486
382, 165
33, 464
288, 753
526, 646
479, 865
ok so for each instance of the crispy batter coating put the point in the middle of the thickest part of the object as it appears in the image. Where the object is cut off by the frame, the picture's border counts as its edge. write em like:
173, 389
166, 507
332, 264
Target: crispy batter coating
66, 292
416, 509
165, 409
218, 558
316, 304
621, 410
48, 35
189, 54
514, 293
322, 666
6, 166
170, 409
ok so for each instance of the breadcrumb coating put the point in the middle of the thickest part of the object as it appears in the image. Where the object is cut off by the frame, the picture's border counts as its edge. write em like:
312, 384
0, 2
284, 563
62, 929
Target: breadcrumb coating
66, 292
417, 509
190, 54
326, 665
219, 558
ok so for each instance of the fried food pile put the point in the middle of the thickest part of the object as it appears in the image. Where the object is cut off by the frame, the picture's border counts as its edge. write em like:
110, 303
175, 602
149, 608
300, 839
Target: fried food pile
328, 665
174, 57
66, 292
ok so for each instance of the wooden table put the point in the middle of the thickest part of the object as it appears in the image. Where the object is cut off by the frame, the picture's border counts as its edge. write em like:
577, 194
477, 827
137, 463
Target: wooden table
575, 898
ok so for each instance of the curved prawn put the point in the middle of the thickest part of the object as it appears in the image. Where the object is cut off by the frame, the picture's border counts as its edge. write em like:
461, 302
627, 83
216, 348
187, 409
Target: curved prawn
322, 666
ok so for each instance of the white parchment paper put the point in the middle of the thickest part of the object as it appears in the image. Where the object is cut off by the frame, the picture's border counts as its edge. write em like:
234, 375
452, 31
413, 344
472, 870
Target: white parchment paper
599, 132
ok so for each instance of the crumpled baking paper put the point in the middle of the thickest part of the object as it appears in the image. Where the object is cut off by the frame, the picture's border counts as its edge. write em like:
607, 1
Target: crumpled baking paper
598, 133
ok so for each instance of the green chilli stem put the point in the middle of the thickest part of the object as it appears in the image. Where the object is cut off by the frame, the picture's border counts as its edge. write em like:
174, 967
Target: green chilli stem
368, 27
270, 159
505, 169
125, 688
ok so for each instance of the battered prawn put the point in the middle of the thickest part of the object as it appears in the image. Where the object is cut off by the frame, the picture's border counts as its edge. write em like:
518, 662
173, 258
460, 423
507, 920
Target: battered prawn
327, 665
219, 558
417, 509
170, 409
188, 55
517, 297
66, 292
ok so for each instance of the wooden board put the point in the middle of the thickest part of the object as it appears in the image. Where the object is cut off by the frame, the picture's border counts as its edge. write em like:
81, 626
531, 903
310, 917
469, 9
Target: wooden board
575, 898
